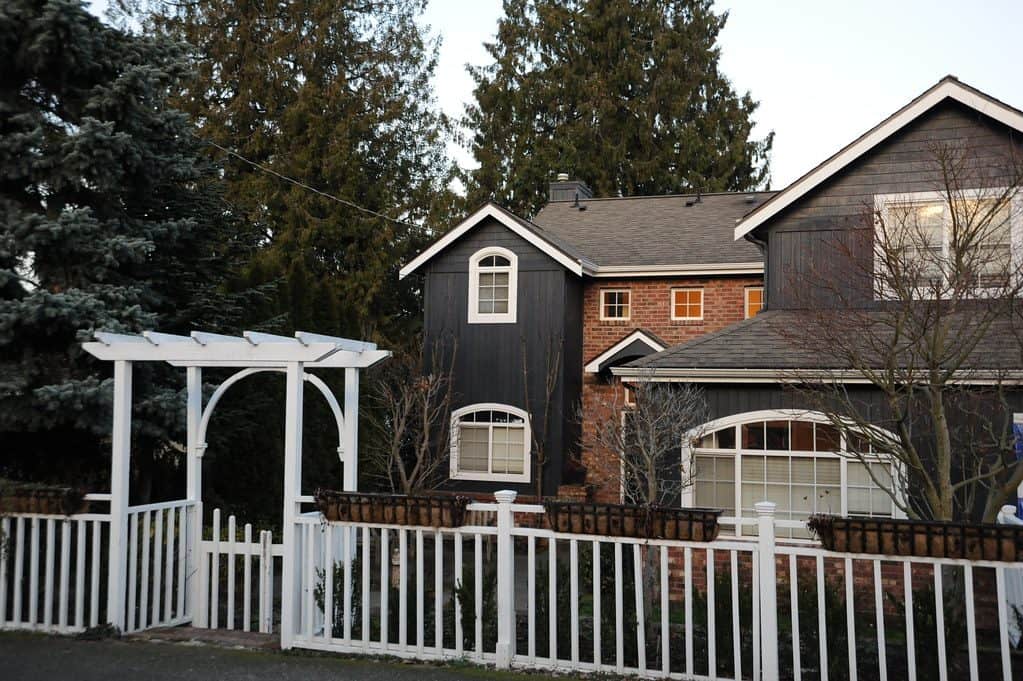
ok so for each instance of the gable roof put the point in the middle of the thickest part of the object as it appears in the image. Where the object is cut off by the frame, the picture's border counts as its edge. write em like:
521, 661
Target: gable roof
638, 342
565, 254
676, 234
948, 87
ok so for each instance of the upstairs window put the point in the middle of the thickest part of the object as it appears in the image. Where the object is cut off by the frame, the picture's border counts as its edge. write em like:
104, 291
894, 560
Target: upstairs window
754, 300
490, 442
615, 304
687, 303
493, 286
930, 246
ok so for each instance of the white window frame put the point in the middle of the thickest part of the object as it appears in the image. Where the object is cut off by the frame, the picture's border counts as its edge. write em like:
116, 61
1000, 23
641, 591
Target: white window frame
689, 453
456, 417
745, 300
882, 202
512, 269
688, 289
603, 293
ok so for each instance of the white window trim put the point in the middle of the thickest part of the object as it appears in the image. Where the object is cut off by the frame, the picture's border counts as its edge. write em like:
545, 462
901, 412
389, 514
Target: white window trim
745, 300
688, 495
605, 291
883, 201
594, 365
456, 474
509, 317
687, 289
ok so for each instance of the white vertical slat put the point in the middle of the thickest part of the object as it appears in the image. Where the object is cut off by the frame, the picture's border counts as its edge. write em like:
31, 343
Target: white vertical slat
158, 567
882, 643
385, 582
5, 533
19, 566
1003, 623
531, 568
184, 546
97, 533
65, 572
402, 588
478, 581
688, 562
348, 534
247, 580
736, 632
328, 582
133, 555
755, 563
598, 658
907, 580
797, 671
850, 615
365, 584
971, 623
264, 558
665, 615
48, 583
438, 591
232, 534
144, 583
214, 572
79, 576
33, 576
822, 626
712, 632
619, 611
459, 581
420, 592
552, 599
168, 587
270, 583
939, 621
637, 585
573, 598
308, 600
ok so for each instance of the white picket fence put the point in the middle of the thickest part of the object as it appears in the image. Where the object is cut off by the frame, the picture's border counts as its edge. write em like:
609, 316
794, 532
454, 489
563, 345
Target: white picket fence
719, 610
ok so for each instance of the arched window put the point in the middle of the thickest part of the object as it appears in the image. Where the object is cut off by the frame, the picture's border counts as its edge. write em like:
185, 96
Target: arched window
490, 442
493, 286
796, 459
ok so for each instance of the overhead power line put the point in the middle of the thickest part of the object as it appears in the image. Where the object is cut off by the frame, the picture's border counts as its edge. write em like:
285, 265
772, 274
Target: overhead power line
303, 185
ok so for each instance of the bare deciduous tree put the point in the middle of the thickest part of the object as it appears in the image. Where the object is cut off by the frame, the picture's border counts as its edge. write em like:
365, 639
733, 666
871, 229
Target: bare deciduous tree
938, 338
551, 376
410, 419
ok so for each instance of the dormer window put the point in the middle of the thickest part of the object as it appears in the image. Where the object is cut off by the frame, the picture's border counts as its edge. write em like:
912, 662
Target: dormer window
493, 286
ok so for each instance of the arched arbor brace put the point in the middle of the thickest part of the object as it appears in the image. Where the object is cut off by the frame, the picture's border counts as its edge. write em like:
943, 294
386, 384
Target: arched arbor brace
251, 353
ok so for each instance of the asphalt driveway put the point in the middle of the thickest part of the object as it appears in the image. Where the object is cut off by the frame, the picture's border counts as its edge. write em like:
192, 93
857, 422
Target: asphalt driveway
35, 657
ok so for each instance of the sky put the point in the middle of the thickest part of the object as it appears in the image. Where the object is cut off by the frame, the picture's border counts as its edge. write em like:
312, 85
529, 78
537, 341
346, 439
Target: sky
823, 71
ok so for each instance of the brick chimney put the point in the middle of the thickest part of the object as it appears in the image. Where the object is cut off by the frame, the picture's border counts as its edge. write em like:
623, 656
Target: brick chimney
564, 189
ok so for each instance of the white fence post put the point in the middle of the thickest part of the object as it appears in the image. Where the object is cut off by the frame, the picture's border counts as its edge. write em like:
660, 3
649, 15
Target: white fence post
505, 585
768, 592
120, 466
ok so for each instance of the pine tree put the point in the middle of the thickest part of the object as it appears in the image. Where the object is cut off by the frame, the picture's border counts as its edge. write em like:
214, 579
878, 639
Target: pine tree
627, 96
335, 94
110, 219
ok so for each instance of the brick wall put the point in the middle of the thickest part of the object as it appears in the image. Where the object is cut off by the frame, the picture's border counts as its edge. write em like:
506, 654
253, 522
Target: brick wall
723, 304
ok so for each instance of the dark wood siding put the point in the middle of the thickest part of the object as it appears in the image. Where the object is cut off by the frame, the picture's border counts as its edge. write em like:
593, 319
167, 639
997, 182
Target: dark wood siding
819, 249
506, 363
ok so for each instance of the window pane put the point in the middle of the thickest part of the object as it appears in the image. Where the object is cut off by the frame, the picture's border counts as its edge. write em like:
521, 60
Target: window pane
753, 435
829, 472
472, 449
500, 261
500, 279
827, 439
777, 435
726, 438
754, 301
802, 436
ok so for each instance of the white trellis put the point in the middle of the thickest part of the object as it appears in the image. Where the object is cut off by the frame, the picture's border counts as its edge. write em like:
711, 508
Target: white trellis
250, 353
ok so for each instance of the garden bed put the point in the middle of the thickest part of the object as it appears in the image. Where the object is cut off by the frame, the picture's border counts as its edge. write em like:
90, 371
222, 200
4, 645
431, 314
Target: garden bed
391, 509
623, 520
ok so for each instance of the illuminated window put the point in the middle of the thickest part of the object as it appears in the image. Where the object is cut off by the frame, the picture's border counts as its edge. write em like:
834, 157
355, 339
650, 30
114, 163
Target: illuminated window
754, 300
687, 303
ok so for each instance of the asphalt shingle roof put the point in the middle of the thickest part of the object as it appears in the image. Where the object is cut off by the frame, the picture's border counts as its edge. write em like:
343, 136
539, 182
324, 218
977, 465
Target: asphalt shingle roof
654, 230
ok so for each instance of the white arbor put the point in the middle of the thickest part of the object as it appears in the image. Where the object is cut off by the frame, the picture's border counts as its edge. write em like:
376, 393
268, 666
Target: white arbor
250, 353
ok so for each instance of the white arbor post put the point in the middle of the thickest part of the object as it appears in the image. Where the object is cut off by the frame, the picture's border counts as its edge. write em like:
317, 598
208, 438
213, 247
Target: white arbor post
120, 463
351, 431
290, 586
768, 591
505, 580
196, 605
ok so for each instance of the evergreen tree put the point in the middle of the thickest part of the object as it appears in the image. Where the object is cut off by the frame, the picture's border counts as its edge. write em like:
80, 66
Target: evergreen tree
626, 95
110, 219
335, 94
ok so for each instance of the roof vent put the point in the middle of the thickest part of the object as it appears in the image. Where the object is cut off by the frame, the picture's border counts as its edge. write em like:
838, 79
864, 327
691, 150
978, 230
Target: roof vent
562, 177
751, 198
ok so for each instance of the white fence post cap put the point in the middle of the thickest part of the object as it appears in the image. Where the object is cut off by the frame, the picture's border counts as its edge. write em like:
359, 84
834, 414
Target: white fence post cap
505, 496
765, 507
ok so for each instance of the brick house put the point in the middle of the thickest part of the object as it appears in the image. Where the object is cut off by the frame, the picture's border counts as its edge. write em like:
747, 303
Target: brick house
587, 285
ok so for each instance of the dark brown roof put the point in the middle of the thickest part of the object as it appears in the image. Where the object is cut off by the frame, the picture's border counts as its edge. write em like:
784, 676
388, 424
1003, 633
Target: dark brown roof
655, 230
767, 341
